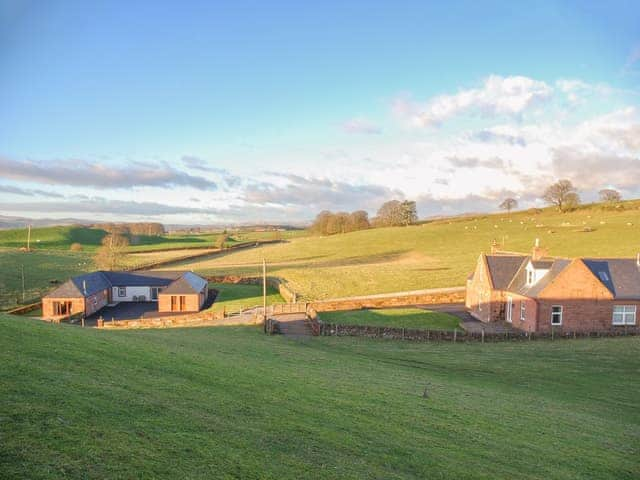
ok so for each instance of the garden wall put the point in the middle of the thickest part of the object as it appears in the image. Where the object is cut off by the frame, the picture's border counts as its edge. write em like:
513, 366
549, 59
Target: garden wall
400, 299
200, 319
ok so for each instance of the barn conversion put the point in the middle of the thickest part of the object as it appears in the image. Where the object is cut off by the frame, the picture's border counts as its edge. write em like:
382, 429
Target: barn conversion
88, 293
536, 293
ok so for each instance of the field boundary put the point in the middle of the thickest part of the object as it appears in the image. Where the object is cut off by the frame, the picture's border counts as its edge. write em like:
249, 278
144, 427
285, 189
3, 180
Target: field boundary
419, 335
431, 296
212, 252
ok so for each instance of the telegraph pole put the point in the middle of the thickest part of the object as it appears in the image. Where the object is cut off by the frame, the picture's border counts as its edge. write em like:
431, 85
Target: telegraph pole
22, 275
264, 288
29, 239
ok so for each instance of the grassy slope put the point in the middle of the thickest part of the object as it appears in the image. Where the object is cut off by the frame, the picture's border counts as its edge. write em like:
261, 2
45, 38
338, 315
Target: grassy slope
39, 268
234, 403
56, 238
394, 317
234, 297
436, 254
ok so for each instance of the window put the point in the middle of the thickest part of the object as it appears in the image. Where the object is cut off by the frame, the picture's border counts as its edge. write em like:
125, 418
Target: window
62, 308
603, 276
556, 315
624, 315
122, 291
523, 311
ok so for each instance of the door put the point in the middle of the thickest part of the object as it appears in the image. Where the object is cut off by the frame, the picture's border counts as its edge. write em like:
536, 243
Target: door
183, 303
509, 309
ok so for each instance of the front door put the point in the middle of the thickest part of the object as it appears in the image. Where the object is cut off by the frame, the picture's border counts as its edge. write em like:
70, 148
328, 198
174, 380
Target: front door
509, 309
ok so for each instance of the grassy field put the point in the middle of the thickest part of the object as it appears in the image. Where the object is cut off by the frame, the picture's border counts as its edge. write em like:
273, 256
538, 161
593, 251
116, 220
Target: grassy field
53, 238
230, 402
394, 317
435, 254
233, 297
40, 267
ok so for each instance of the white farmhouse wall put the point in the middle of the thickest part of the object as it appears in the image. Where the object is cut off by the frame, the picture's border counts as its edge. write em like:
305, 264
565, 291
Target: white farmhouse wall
132, 292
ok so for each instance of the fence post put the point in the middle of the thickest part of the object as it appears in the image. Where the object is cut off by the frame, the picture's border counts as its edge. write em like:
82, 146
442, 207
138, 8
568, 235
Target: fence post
482, 334
402, 333
552, 332
455, 334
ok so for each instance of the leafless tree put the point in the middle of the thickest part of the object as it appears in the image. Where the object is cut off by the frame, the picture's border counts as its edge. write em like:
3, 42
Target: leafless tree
509, 204
562, 194
110, 256
610, 196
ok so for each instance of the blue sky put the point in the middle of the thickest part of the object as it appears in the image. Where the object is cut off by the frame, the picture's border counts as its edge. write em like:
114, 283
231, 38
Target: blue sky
197, 112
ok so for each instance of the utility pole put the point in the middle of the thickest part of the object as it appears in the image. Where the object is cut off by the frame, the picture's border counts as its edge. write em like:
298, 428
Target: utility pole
22, 274
264, 288
29, 239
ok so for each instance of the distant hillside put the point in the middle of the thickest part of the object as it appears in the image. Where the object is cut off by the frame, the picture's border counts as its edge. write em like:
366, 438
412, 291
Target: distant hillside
56, 238
439, 253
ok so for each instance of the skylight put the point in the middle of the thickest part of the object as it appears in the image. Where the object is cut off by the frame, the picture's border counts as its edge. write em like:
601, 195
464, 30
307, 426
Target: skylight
603, 276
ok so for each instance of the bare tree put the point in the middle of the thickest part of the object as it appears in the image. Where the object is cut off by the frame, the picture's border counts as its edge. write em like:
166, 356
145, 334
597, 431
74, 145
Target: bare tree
509, 204
562, 194
610, 196
111, 254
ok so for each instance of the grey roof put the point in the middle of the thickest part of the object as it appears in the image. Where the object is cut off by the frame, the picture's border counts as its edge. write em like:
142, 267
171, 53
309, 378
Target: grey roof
544, 264
142, 279
503, 268
189, 282
81, 286
621, 276
519, 282
89, 283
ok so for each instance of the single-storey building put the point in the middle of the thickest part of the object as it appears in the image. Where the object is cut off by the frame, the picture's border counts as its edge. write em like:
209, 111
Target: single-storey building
88, 293
536, 293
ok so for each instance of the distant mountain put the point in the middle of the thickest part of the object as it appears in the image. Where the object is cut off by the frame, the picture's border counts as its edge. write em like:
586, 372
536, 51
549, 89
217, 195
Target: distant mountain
7, 222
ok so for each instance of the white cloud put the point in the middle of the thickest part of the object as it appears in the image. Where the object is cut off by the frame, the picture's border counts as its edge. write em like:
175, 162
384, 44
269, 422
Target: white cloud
498, 96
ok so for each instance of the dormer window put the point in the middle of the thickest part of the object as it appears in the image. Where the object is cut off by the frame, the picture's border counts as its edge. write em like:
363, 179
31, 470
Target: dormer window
530, 277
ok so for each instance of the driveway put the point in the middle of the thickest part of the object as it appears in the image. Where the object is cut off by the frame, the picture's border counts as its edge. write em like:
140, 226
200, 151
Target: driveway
126, 311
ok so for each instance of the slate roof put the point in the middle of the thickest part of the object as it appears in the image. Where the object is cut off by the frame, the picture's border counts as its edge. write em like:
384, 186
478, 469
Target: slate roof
81, 286
503, 268
88, 284
189, 282
621, 276
519, 285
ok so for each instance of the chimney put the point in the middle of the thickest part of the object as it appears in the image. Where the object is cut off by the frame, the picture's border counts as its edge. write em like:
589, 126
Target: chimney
494, 247
538, 252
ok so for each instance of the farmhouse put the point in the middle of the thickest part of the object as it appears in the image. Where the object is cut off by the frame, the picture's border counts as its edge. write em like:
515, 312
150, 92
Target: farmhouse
536, 293
88, 293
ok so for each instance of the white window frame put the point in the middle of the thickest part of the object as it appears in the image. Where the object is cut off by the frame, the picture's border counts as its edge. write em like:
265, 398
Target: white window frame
122, 291
628, 314
554, 314
523, 310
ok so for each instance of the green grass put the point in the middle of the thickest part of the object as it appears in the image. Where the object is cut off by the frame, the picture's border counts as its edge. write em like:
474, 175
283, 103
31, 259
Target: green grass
56, 238
434, 254
40, 267
394, 317
233, 297
230, 402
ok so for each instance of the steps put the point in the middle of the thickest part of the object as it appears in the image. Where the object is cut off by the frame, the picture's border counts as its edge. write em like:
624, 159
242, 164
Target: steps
294, 325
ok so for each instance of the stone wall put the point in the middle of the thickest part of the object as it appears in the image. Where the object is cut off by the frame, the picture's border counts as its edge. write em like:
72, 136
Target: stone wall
330, 329
202, 319
401, 299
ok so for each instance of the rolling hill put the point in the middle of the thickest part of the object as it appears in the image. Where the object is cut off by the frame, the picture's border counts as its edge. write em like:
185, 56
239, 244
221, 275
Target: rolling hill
433, 254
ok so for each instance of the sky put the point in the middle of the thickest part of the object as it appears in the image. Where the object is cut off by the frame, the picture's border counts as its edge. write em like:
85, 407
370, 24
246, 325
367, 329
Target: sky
239, 112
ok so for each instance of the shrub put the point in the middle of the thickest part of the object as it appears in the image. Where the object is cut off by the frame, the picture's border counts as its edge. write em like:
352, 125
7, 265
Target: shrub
75, 247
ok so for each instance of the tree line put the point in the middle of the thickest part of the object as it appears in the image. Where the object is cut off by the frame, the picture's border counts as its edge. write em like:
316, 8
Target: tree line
390, 214
137, 228
564, 196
